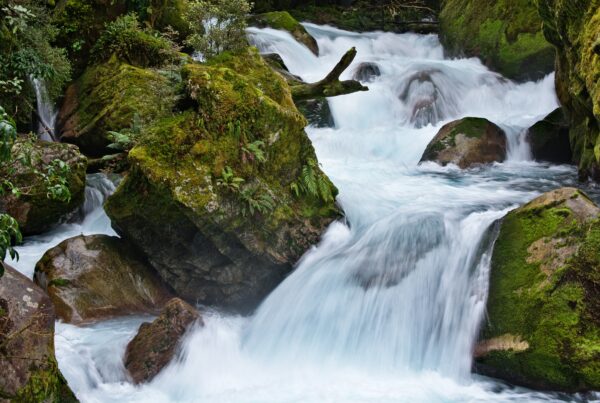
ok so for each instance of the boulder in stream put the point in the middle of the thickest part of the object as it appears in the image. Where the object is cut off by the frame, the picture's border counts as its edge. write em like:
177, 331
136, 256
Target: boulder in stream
543, 324
366, 72
28, 368
35, 209
220, 198
467, 142
549, 139
96, 277
156, 343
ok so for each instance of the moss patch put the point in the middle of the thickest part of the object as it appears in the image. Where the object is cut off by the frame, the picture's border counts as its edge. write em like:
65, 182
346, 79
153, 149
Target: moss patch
550, 306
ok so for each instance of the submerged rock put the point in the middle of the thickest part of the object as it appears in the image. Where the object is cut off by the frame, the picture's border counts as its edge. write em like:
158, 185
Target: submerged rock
155, 344
35, 209
28, 368
505, 34
366, 72
96, 277
422, 96
543, 325
317, 112
284, 21
220, 198
574, 28
549, 139
467, 142
109, 97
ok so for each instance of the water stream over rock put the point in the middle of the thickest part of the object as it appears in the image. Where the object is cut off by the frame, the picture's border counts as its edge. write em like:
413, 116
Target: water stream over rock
388, 306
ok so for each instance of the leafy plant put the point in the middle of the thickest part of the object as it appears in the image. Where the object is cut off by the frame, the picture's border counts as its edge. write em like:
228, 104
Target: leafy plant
255, 201
9, 228
254, 151
217, 26
229, 180
126, 139
312, 182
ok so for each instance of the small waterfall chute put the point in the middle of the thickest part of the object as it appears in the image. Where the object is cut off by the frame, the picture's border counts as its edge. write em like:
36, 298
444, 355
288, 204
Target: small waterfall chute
46, 111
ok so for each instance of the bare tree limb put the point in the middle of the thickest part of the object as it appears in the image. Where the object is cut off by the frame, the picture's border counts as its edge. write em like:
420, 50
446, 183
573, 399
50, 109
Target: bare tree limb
331, 85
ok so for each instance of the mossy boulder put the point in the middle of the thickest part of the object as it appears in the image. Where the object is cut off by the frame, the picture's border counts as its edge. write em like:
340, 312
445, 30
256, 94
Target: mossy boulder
543, 324
107, 97
282, 20
90, 278
549, 139
28, 368
574, 28
467, 142
220, 198
505, 34
155, 344
34, 209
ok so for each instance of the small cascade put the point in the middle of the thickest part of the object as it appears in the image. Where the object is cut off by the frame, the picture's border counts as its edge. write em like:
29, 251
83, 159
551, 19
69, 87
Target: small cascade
46, 111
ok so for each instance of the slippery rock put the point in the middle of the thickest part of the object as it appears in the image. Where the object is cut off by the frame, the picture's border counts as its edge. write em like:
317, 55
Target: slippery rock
155, 344
543, 305
549, 139
95, 277
28, 368
221, 222
33, 209
366, 72
467, 142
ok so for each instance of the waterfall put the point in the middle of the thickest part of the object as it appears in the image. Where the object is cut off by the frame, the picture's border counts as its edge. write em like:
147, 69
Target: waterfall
387, 307
46, 111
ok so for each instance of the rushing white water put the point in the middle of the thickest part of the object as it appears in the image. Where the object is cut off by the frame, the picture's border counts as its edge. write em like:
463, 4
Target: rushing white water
387, 307
47, 113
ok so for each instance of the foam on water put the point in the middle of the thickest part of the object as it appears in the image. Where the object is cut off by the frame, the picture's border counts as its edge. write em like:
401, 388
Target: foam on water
388, 306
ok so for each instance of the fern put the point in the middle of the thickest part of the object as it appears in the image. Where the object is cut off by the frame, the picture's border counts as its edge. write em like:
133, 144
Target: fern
229, 180
256, 202
312, 182
255, 151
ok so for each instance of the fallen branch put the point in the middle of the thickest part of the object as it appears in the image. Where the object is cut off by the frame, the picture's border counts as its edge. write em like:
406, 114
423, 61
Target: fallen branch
331, 85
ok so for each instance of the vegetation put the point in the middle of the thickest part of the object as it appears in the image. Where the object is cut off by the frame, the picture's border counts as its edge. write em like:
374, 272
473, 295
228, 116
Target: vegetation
217, 26
9, 228
26, 35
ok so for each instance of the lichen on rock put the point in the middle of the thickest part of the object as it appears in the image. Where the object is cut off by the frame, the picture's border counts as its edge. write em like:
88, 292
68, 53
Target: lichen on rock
544, 295
214, 197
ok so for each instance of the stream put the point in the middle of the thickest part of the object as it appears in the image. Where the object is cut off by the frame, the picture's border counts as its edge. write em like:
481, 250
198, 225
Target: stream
388, 306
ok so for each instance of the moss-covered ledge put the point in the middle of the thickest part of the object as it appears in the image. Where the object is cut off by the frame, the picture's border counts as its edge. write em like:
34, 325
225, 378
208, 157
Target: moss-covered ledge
543, 325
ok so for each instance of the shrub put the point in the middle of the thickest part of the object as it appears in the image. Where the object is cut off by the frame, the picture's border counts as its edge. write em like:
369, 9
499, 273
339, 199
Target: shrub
138, 46
218, 26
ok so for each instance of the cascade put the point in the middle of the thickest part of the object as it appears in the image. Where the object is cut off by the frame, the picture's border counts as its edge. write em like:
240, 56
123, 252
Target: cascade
387, 307
46, 111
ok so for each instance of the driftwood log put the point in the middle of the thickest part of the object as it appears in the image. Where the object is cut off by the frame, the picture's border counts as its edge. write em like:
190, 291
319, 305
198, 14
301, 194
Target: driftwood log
330, 86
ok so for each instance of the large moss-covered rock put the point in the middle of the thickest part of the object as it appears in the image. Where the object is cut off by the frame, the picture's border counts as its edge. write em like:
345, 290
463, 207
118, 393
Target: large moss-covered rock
543, 325
574, 28
96, 277
549, 139
108, 97
35, 209
284, 21
155, 344
505, 34
28, 368
213, 238
467, 142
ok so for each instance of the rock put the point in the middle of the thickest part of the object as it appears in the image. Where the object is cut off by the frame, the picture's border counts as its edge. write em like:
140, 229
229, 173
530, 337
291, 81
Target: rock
423, 96
34, 210
549, 139
543, 324
366, 72
317, 112
467, 142
108, 97
282, 20
511, 43
218, 240
28, 368
96, 277
155, 344
574, 28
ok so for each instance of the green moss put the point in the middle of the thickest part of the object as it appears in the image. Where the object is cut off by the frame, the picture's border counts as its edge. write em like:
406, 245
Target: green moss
549, 308
280, 20
505, 34
59, 282
45, 384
